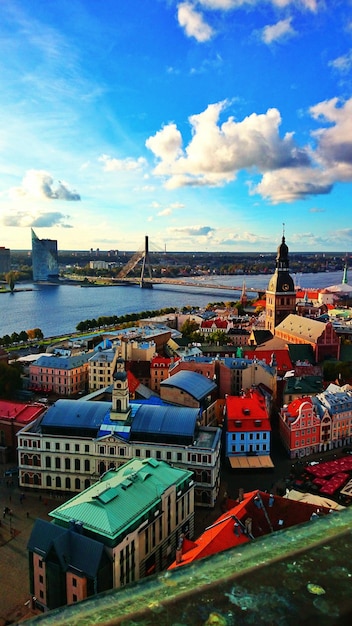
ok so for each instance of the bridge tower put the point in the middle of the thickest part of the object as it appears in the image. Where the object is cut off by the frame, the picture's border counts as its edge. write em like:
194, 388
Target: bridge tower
146, 263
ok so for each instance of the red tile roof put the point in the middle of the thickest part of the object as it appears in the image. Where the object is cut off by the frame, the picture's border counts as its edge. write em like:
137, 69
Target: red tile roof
18, 412
266, 519
284, 363
247, 409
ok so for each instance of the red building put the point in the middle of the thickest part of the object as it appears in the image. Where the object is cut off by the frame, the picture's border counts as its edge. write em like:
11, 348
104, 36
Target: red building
300, 428
13, 417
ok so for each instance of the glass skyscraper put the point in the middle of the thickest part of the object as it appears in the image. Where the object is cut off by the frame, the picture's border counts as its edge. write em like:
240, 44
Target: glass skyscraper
44, 259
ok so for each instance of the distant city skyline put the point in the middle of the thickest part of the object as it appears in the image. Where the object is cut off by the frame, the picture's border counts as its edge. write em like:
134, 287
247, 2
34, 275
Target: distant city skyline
205, 124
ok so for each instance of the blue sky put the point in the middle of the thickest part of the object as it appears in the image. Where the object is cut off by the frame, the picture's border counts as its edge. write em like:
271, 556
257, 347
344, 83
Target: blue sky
205, 124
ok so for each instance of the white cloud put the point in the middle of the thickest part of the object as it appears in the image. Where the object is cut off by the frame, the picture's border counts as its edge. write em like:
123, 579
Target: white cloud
193, 22
39, 185
23, 219
280, 30
170, 209
288, 185
216, 152
343, 63
121, 165
244, 237
334, 149
227, 5
194, 231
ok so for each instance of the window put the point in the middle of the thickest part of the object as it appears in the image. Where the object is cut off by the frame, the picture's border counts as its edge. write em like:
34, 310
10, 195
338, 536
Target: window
77, 483
74, 597
67, 464
86, 448
47, 445
158, 455
168, 456
111, 450
48, 461
87, 465
40, 563
138, 452
147, 453
101, 450
74, 582
77, 465
67, 446
57, 462
68, 482
76, 447
179, 456
57, 446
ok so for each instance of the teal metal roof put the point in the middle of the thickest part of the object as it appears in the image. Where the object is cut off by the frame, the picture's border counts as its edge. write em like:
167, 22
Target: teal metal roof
121, 497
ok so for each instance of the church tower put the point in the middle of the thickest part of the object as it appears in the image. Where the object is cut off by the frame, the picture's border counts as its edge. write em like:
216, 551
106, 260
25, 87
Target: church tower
121, 409
281, 293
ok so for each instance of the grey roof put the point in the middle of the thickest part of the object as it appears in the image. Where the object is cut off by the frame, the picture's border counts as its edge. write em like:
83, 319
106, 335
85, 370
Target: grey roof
62, 362
76, 414
196, 385
165, 421
73, 549
304, 385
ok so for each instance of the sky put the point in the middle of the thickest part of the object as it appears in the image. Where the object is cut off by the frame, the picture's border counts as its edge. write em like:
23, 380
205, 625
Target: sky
208, 125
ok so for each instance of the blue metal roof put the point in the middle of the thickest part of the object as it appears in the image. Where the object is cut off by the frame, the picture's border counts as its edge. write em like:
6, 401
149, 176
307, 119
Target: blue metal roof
165, 420
194, 384
76, 414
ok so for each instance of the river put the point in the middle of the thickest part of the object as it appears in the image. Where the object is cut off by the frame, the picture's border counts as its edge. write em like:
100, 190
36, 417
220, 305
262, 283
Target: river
57, 310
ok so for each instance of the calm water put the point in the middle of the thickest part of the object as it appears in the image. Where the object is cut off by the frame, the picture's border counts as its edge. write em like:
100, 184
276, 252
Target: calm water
57, 310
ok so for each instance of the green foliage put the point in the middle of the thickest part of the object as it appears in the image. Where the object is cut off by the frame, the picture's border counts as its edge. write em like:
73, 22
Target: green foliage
10, 380
189, 328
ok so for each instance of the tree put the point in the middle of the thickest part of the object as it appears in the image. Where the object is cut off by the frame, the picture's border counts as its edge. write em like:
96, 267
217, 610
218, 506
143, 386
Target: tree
11, 278
188, 328
10, 380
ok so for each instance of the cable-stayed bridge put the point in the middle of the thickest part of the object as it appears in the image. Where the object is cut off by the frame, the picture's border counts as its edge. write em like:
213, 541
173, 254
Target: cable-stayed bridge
146, 279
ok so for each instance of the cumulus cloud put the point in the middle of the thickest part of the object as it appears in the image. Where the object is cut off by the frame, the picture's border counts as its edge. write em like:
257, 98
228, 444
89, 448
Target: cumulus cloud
193, 23
280, 30
121, 165
244, 237
217, 151
288, 185
170, 209
195, 231
25, 219
39, 185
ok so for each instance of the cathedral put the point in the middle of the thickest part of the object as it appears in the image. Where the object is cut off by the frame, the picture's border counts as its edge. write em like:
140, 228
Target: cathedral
281, 293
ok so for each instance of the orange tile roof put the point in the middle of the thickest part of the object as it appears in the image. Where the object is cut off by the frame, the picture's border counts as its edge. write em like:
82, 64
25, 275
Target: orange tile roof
221, 535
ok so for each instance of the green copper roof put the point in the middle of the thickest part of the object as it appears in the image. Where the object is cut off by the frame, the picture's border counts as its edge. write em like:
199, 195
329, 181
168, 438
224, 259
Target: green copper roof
121, 498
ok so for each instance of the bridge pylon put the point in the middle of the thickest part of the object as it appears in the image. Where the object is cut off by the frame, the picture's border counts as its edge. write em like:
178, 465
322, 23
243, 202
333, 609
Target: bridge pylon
146, 264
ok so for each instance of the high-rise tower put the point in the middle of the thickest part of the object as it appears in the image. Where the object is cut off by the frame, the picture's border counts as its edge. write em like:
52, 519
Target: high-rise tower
281, 293
45, 263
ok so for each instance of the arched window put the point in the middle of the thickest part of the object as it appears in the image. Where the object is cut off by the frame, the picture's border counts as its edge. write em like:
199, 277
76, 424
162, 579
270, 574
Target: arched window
26, 479
87, 465
67, 463
48, 461
48, 481
36, 480
102, 467
58, 482
57, 462
25, 459
36, 460
68, 482
77, 483
86, 483
77, 465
